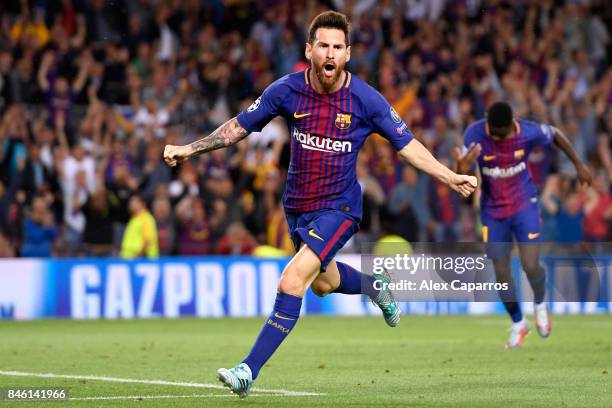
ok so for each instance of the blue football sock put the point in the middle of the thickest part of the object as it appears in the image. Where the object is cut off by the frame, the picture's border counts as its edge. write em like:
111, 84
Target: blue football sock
514, 310
353, 282
278, 325
509, 298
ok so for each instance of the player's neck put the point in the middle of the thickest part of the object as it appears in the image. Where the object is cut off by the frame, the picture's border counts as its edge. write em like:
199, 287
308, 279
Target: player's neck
319, 88
511, 133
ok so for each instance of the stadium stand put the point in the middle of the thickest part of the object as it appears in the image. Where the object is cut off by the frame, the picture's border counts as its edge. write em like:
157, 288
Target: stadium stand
90, 91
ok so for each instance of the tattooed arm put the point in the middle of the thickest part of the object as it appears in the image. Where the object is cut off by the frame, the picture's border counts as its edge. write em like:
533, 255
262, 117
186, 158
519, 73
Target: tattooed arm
225, 135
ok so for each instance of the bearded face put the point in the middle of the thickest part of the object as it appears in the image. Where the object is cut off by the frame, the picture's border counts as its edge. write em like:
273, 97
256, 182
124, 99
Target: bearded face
328, 73
328, 55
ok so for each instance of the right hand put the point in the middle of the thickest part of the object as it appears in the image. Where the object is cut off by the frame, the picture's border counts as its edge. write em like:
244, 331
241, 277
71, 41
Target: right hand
175, 154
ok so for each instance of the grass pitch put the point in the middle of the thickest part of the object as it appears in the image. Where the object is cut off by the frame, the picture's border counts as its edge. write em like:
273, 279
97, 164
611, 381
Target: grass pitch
359, 362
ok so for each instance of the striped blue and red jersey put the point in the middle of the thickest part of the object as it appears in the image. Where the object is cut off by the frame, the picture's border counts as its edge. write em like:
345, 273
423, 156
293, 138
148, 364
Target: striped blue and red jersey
507, 187
327, 131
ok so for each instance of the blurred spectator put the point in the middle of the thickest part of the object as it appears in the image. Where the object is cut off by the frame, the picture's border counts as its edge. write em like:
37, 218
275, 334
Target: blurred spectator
385, 166
373, 195
39, 230
98, 232
75, 197
194, 230
287, 53
162, 212
140, 237
28, 26
120, 188
5, 200
277, 234
252, 217
408, 204
185, 185
266, 30
390, 243
14, 132
105, 20
218, 220
566, 167
151, 119
60, 93
6, 248
236, 241
36, 175
154, 173
445, 207
598, 210
7, 93
570, 216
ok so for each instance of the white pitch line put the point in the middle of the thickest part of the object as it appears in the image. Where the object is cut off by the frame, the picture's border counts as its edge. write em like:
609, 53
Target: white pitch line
279, 392
143, 397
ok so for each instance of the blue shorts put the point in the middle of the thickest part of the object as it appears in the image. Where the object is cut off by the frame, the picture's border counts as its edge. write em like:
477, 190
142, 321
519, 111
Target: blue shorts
324, 231
525, 227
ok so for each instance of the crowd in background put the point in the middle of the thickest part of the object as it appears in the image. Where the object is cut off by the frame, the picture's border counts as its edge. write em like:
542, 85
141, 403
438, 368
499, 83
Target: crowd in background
91, 91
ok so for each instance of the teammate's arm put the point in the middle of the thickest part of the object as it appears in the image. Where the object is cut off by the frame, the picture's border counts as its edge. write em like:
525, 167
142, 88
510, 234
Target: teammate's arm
417, 155
465, 160
464, 164
561, 141
225, 135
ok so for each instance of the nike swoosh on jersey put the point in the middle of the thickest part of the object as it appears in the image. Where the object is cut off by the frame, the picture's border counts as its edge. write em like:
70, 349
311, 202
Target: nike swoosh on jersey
533, 235
314, 234
301, 115
282, 317
488, 158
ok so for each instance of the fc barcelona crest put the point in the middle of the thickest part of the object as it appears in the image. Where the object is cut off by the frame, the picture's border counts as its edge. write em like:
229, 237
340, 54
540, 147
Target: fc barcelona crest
343, 120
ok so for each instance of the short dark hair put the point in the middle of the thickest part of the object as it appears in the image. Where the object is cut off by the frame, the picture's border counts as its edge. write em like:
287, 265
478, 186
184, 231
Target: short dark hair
499, 115
329, 19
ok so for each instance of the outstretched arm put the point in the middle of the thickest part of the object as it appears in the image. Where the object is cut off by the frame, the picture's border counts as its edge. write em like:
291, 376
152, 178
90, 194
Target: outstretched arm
561, 141
225, 135
417, 155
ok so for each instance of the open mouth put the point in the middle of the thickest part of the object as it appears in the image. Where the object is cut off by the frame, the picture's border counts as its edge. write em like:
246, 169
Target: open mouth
329, 69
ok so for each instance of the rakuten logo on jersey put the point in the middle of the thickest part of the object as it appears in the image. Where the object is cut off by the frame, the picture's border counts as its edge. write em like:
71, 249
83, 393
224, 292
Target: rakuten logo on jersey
497, 172
322, 144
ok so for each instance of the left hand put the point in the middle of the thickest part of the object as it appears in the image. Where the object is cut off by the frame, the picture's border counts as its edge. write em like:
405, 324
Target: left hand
463, 184
584, 175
